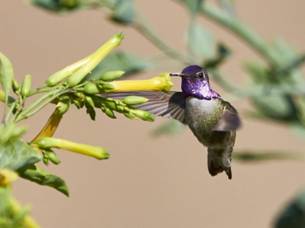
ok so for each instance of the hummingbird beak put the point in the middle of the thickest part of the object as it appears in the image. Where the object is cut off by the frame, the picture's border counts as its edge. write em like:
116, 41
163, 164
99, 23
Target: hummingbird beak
178, 75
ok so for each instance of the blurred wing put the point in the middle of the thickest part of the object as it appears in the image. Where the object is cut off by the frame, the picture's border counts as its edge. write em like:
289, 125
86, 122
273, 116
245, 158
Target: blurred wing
168, 105
230, 120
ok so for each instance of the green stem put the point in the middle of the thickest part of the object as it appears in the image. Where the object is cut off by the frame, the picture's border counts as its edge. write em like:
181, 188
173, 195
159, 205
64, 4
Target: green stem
147, 32
39, 104
9, 114
255, 41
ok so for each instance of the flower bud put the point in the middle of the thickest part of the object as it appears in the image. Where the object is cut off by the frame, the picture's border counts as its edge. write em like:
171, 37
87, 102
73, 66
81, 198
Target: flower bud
26, 86
109, 112
134, 100
89, 101
53, 157
91, 88
111, 75
15, 85
94, 60
143, 115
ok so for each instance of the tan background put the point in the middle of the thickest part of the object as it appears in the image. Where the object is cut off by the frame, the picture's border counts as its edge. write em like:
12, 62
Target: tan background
150, 182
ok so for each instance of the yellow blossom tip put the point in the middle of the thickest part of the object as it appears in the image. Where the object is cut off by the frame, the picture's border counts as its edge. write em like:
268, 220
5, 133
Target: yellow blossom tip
7, 177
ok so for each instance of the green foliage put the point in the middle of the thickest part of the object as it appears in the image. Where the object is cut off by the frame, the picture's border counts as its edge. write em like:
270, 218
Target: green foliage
17, 155
58, 5
6, 75
201, 43
123, 11
170, 127
43, 177
74, 84
263, 156
292, 216
10, 216
275, 91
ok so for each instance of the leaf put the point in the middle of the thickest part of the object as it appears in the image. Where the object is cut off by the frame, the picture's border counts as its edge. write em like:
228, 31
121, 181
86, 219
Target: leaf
260, 156
43, 177
292, 216
57, 5
17, 155
223, 53
6, 75
170, 127
201, 43
277, 107
192, 5
90, 111
119, 61
123, 12
257, 71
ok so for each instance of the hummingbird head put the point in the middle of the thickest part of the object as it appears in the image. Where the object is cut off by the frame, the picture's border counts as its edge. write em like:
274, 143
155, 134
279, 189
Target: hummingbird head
195, 83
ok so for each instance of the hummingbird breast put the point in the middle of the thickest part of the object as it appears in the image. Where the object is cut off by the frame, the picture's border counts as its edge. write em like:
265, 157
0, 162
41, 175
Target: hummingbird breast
202, 116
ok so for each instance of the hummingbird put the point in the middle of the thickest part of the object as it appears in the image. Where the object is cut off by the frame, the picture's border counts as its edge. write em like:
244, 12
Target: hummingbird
212, 120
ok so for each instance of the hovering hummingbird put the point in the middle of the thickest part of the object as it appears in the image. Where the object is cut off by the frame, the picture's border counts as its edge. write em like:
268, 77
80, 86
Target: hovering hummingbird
213, 120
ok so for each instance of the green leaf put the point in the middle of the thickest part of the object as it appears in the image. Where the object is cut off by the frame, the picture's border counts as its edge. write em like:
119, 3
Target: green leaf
57, 5
6, 75
292, 216
260, 156
201, 43
276, 107
170, 127
257, 71
119, 61
123, 12
43, 177
17, 155
223, 53
192, 5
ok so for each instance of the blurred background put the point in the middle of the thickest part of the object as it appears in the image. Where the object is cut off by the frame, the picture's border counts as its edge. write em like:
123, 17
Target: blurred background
153, 181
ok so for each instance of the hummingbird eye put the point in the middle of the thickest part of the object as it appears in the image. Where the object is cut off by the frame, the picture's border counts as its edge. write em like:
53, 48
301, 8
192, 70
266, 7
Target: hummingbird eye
200, 75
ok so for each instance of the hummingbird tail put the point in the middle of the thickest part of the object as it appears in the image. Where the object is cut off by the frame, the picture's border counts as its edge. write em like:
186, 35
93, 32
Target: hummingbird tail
219, 160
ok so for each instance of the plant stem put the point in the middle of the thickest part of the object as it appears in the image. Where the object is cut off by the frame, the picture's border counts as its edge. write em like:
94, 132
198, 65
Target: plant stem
255, 41
143, 29
39, 104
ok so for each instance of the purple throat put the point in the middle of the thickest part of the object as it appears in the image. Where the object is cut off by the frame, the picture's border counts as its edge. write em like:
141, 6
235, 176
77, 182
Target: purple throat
197, 87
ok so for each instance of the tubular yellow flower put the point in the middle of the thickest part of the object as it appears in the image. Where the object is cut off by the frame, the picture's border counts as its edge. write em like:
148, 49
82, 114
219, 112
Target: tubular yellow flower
7, 177
50, 127
94, 59
161, 82
85, 149
59, 76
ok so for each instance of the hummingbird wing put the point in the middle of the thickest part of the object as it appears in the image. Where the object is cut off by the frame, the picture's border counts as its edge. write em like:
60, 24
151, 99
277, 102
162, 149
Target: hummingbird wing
230, 120
170, 105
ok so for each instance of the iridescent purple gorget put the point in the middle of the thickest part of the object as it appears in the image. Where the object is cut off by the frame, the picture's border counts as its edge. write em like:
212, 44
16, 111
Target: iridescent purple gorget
195, 83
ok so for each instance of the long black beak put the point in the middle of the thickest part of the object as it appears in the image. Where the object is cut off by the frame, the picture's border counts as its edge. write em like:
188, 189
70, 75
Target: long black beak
178, 75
